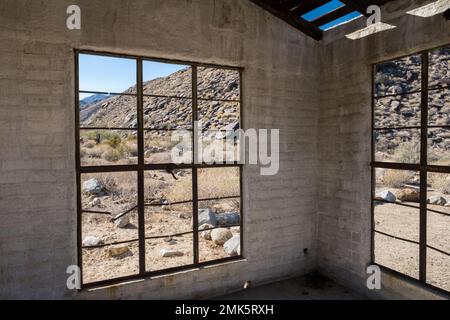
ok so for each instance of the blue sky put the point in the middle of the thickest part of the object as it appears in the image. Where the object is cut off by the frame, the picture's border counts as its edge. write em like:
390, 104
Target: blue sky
330, 6
109, 74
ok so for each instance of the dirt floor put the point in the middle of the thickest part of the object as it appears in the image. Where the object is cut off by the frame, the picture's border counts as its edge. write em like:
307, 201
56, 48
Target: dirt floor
402, 256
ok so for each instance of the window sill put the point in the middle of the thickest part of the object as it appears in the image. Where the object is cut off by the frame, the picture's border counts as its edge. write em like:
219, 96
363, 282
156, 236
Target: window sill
115, 283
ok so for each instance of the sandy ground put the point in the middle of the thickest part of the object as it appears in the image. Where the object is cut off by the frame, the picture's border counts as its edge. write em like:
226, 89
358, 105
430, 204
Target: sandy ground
403, 256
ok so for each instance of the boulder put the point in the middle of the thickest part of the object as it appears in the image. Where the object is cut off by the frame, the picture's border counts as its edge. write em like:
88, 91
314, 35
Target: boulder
385, 195
118, 251
437, 200
205, 216
233, 246
92, 186
91, 241
228, 219
221, 235
122, 222
206, 234
168, 253
409, 195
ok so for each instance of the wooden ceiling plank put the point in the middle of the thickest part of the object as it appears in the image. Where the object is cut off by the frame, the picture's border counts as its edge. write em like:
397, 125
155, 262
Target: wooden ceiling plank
357, 6
297, 22
307, 6
333, 15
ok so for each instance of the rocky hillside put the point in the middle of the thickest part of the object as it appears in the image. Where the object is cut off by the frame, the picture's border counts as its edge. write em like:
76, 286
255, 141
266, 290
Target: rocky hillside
163, 113
402, 76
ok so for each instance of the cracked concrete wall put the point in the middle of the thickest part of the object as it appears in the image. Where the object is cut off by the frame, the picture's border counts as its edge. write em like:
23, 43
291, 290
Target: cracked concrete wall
37, 158
344, 141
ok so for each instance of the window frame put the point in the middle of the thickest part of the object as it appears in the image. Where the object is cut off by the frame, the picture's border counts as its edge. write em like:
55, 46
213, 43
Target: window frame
141, 166
422, 167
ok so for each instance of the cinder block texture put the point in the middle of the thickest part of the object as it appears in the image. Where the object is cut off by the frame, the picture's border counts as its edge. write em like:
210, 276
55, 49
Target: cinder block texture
344, 140
317, 93
37, 158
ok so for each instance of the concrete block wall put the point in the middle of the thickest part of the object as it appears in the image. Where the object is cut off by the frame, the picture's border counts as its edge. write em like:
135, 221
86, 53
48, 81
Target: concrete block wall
317, 93
37, 144
344, 141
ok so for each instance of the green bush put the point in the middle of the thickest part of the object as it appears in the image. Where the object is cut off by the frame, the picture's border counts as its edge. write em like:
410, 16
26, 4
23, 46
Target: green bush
102, 136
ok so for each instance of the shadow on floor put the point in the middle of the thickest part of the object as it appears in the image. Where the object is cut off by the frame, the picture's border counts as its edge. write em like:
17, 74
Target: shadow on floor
313, 286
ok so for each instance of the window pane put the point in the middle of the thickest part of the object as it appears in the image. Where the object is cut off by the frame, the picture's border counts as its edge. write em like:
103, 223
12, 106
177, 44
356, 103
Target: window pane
167, 79
397, 255
439, 108
397, 186
110, 112
438, 230
107, 74
397, 111
439, 68
402, 146
109, 195
168, 214
220, 138
397, 215
218, 182
219, 231
106, 263
398, 76
216, 115
169, 252
221, 84
108, 147
439, 146
164, 113
168, 146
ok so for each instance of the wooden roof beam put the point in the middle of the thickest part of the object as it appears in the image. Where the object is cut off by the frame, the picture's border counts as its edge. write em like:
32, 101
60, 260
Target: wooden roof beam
307, 6
357, 5
275, 8
333, 15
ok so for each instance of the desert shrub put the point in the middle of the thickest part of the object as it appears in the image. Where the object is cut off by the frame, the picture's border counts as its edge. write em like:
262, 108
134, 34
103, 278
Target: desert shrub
438, 156
89, 144
111, 155
408, 152
396, 178
121, 185
114, 141
218, 182
440, 182
97, 151
101, 136
130, 148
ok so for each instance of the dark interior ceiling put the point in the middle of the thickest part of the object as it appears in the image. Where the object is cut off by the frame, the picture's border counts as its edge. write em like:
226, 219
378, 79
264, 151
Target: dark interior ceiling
292, 11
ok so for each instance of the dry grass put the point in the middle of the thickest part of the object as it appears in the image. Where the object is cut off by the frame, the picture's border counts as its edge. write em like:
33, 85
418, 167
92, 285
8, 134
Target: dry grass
440, 182
396, 178
408, 152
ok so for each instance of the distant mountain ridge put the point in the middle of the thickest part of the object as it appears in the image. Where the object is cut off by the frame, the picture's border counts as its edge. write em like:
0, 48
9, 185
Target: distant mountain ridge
95, 98
160, 111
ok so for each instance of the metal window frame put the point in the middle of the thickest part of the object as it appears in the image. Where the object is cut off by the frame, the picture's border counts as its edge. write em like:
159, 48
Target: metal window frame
423, 168
140, 167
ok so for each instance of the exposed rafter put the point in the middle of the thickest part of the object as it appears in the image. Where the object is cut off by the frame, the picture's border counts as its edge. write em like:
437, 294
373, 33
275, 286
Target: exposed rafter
276, 8
292, 11
357, 5
333, 15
